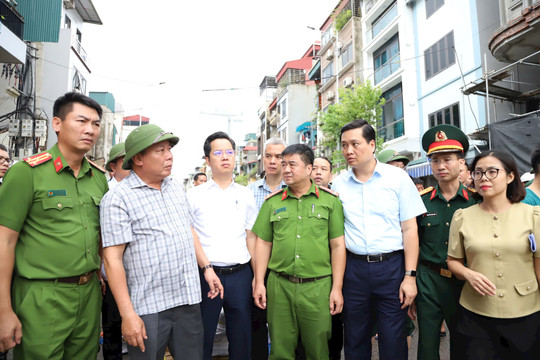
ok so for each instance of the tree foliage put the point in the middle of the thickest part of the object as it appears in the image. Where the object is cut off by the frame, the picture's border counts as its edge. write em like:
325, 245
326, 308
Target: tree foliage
361, 102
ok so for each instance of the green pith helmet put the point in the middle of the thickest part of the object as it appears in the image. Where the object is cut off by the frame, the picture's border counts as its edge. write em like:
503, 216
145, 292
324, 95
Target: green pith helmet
143, 137
388, 155
117, 151
444, 138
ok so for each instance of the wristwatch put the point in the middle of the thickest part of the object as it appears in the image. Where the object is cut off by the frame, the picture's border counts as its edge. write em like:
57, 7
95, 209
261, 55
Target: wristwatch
206, 267
410, 273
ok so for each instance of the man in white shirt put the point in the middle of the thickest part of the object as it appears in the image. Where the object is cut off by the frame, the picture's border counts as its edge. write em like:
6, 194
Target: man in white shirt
224, 213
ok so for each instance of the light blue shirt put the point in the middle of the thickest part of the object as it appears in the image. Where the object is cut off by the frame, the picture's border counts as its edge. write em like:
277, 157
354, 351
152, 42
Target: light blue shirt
261, 190
159, 259
375, 209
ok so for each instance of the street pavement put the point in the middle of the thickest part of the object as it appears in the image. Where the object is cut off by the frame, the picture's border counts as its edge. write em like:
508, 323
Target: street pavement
444, 350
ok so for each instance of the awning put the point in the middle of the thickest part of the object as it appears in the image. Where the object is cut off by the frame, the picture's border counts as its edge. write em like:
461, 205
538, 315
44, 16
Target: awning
305, 126
419, 170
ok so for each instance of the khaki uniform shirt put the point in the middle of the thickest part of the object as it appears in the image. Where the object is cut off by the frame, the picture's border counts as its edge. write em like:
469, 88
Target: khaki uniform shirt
300, 230
56, 215
497, 246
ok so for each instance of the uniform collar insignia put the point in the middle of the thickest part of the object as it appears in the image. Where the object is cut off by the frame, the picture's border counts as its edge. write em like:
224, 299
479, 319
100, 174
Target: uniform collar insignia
58, 164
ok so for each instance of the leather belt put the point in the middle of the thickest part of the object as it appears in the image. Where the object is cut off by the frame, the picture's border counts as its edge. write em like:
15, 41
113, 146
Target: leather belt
299, 280
437, 268
224, 270
80, 280
376, 257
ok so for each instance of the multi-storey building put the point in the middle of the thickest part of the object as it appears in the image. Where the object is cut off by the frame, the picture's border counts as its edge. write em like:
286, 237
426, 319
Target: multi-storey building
295, 100
266, 130
56, 63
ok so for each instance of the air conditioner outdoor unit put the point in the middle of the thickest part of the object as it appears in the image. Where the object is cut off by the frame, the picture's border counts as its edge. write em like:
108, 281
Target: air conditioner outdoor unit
347, 82
69, 4
330, 96
329, 54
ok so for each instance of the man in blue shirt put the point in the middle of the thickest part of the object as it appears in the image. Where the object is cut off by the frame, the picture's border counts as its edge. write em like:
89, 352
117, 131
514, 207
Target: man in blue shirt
380, 203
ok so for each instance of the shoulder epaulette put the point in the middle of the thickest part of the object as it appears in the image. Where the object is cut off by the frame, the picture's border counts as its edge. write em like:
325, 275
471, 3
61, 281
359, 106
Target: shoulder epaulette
330, 191
426, 190
470, 189
38, 159
96, 166
274, 193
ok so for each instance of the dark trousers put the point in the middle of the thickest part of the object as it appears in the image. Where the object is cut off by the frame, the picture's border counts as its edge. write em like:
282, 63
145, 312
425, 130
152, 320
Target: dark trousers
237, 302
499, 339
179, 329
372, 290
259, 334
112, 327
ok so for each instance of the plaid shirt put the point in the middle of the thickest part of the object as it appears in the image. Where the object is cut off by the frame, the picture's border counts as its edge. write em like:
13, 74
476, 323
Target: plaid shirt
261, 190
159, 260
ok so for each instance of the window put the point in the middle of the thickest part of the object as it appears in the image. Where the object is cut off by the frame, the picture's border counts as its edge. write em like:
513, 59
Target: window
392, 124
79, 35
386, 59
328, 72
432, 6
448, 115
283, 109
79, 82
440, 55
67, 22
346, 55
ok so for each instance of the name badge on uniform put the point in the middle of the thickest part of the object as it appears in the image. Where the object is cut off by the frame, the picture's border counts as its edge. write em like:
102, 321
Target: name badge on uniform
51, 193
430, 214
277, 211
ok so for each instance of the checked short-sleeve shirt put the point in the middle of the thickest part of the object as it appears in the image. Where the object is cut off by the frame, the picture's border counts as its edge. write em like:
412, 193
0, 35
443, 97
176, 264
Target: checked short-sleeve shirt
159, 260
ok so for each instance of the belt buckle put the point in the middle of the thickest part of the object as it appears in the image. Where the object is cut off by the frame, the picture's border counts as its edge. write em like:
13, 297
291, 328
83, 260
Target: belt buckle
295, 279
378, 258
84, 278
446, 273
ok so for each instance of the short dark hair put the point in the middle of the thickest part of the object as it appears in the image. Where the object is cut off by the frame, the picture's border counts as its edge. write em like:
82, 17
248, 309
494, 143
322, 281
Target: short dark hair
515, 191
196, 176
325, 158
2, 147
416, 180
215, 136
64, 104
535, 161
305, 152
368, 132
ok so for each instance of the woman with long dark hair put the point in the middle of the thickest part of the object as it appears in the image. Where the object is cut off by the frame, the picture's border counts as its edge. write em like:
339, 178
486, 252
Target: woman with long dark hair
492, 246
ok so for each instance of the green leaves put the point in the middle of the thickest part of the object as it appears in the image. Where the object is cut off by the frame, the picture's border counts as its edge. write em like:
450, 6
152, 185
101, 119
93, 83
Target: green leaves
361, 102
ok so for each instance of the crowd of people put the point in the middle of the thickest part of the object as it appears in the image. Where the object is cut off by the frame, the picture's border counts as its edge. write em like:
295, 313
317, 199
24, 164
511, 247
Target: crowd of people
315, 266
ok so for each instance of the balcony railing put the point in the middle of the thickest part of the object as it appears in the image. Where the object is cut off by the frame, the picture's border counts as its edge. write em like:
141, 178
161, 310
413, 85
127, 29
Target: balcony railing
11, 19
76, 45
382, 22
393, 130
390, 67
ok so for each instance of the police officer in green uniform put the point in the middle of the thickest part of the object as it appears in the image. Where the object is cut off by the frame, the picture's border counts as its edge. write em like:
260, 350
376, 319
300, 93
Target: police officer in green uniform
49, 242
300, 239
438, 289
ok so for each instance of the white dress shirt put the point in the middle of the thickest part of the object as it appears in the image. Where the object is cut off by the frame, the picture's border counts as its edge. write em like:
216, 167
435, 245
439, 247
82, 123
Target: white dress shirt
221, 218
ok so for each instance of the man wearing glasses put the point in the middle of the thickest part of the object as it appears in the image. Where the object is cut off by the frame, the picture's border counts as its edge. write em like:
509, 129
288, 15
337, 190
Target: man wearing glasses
5, 162
224, 213
150, 251
438, 289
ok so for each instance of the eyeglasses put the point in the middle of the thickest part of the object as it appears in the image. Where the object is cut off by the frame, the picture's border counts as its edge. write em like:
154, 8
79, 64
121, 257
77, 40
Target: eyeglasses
490, 174
4, 160
228, 152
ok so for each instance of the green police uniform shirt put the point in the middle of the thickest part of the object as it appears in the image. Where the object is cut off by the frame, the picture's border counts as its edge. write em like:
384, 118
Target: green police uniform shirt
56, 215
434, 225
300, 230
